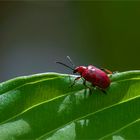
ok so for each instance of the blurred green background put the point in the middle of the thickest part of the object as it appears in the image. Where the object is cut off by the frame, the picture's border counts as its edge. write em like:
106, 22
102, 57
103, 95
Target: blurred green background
34, 34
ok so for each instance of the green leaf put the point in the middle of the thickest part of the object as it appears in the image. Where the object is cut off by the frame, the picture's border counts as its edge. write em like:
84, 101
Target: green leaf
43, 106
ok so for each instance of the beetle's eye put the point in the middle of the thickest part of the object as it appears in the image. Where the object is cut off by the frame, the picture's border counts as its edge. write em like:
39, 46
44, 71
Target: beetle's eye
74, 71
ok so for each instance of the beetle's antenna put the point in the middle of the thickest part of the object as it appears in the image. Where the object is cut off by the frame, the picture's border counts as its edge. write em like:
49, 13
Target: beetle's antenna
65, 65
69, 59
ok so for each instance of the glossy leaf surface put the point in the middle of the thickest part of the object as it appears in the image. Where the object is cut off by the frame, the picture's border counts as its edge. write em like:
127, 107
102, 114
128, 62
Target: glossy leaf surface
43, 106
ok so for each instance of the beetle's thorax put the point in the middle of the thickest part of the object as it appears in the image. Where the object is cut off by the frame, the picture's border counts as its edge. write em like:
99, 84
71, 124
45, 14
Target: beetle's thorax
79, 69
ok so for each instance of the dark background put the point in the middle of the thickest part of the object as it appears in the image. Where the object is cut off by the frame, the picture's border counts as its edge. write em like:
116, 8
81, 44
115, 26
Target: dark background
33, 35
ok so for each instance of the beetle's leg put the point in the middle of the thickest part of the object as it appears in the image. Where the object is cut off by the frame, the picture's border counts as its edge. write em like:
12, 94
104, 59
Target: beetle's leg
77, 78
106, 70
101, 90
104, 91
90, 90
84, 83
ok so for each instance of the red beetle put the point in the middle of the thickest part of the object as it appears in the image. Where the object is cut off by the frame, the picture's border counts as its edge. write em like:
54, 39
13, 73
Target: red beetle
96, 76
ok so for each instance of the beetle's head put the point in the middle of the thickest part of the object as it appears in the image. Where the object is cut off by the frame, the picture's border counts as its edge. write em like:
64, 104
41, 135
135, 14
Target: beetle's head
79, 69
